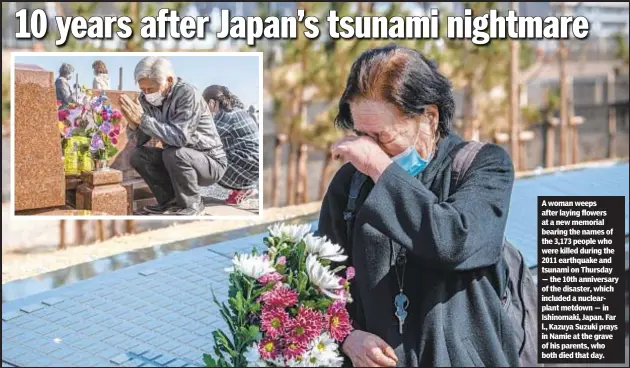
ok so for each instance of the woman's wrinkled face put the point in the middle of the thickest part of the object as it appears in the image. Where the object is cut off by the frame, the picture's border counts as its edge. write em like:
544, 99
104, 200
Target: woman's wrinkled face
149, 86
391, 129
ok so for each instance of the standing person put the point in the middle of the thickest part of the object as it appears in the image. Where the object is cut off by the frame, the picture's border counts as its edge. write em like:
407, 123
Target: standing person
239, 133
431, 279
63, 90
101, 78
253, 113
175, 113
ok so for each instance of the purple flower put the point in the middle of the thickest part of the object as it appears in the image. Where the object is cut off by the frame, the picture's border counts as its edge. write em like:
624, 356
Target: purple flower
96, 143
96, 103
106, 127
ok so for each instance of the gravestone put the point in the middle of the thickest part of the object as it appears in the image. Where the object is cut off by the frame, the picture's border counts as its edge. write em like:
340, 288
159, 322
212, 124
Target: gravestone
39, 173
101, 191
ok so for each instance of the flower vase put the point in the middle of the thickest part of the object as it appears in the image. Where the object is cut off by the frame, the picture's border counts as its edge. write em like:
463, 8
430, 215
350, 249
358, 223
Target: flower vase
101, 165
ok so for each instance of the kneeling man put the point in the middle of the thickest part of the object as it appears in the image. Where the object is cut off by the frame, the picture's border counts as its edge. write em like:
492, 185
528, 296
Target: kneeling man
175, 113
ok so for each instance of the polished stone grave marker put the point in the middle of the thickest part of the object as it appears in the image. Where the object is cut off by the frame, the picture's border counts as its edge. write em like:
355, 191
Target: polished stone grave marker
39, 173
101, 191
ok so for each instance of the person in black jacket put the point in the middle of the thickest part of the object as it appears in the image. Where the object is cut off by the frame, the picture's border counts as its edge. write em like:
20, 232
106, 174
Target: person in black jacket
421, 249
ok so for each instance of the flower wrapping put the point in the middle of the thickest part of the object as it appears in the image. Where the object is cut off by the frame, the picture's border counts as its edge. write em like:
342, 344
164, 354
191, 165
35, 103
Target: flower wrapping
74, 155
286, 306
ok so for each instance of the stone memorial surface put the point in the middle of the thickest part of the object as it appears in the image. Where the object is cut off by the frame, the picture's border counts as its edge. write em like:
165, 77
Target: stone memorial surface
39, 174
158, 313
102, 192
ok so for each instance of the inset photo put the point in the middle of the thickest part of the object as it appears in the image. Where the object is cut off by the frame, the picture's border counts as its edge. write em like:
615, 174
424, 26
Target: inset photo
135, 134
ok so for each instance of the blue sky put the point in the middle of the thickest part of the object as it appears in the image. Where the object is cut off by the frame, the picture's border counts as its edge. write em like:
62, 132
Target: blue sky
239, 73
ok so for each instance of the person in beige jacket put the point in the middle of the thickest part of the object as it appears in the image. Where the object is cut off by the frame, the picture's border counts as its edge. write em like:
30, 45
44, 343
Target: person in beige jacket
101, 78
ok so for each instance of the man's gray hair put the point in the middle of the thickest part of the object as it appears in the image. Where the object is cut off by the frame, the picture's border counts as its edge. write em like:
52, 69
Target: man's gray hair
65, 69
156, 68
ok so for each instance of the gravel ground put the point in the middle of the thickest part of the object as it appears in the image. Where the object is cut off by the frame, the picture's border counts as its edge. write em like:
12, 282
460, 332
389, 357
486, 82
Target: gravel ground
26, 255
216, 191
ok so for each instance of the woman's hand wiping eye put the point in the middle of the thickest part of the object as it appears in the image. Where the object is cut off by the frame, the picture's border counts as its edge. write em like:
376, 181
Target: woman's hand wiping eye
364, 153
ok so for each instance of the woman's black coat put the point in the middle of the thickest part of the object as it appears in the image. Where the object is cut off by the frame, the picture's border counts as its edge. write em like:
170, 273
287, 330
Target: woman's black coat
455, 271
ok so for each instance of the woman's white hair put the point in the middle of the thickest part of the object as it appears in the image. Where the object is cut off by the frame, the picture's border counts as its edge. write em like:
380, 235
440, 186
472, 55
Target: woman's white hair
156, 68
65, 69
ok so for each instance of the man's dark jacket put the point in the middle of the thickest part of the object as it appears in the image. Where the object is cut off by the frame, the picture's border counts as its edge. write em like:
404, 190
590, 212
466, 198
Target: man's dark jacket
455, 271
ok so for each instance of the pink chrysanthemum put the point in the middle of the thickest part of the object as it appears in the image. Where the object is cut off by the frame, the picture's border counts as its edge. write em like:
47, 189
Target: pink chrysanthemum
338, 321
273, 322
270, 277
280, 296
293, 350
282, 260
305, 326
350, 273
268, 348
342, 293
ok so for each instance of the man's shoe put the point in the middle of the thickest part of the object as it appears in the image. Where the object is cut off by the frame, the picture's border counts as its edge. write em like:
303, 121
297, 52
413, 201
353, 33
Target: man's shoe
194, 210
159, 209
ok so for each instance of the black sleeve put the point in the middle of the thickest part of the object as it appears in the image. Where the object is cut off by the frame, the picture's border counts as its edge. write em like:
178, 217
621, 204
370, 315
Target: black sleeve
334, 226
463, 232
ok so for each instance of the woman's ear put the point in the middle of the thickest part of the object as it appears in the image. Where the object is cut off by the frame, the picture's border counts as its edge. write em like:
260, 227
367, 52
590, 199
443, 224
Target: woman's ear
433, 114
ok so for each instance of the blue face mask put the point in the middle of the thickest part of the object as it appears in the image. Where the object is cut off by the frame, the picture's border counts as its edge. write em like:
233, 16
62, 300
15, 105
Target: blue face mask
411, 161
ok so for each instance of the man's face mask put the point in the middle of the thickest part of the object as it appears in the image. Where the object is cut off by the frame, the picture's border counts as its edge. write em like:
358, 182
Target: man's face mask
155, 98
153, 92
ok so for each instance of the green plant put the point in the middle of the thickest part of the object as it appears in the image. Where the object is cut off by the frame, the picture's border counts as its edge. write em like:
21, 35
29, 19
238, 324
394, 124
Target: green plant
284, 303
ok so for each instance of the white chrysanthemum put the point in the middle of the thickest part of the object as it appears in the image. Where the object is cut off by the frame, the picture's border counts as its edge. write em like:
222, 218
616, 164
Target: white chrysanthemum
323, 248
293, 233
252, 355
251, 265
335, 362
278, 362
323, 352
302, 362
321, 276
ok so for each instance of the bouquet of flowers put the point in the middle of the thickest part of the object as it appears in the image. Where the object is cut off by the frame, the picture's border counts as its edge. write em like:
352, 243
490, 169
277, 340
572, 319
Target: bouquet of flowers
286, 306
92, 117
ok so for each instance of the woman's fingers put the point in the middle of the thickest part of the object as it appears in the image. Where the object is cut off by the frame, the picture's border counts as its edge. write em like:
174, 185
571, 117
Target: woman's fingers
377, 355
385, 353
389, 352
338, 152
